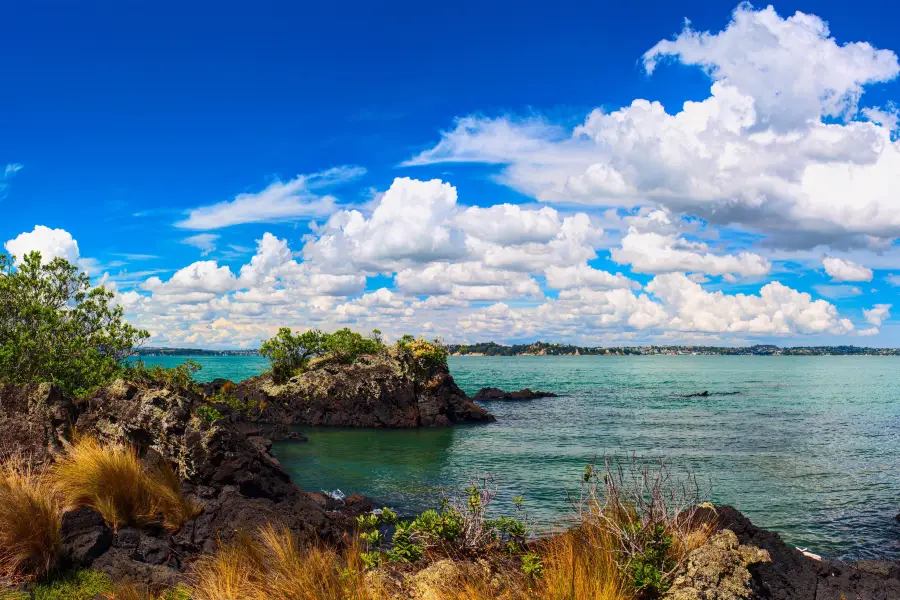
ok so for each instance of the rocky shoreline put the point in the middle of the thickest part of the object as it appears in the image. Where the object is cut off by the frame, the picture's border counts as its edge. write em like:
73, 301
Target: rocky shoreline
225, 465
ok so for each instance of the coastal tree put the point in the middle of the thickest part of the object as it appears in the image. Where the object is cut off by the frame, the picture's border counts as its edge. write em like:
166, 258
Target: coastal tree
291, 353
55, 327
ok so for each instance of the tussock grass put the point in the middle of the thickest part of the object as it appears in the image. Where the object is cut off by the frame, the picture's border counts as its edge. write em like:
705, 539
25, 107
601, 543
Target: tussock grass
29, 521
580, 564
275, 567
113, 480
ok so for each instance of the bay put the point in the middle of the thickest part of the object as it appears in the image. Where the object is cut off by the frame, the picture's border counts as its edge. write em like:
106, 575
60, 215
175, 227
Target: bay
806, 446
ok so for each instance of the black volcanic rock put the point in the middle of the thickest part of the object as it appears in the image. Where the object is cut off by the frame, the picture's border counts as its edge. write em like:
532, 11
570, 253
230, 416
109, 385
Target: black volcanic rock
490, 394
384, 390
791, 575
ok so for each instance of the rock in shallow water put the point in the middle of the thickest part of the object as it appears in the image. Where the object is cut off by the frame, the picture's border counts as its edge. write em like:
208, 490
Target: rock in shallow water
496, 394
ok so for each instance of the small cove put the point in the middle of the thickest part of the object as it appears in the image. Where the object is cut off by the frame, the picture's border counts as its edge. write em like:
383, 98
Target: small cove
806, 446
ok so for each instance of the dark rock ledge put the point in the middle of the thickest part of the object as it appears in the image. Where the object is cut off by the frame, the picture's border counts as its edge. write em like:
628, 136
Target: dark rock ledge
490, 394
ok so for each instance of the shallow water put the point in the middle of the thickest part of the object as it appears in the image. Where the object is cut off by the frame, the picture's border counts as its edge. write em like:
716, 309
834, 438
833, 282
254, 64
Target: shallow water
808, 446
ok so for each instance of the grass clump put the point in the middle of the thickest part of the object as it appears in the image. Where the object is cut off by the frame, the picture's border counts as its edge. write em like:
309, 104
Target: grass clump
29, 521
113, 480
274, 566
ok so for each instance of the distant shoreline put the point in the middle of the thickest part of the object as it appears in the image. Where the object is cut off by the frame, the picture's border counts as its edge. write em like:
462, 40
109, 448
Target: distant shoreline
490, 349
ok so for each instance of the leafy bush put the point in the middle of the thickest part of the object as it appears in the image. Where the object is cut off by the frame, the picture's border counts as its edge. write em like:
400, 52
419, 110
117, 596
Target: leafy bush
292, 354
208, 413
532, 565
114, 481
29, 521
54, 327
426, 354
180, 377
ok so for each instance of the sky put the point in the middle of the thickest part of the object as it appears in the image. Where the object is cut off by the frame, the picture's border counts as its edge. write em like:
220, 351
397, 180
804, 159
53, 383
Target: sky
587, 172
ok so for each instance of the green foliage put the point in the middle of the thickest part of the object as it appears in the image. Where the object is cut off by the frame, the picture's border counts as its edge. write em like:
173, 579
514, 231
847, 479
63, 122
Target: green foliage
444, 526
647, 568
532, 565
289, 353
345, 346
292, 354
370, 559
208, 413
405, 548
54, 327
427, 355
180, 377
74, 585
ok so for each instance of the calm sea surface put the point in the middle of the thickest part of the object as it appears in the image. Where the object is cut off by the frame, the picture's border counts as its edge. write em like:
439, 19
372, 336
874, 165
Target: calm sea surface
806, 446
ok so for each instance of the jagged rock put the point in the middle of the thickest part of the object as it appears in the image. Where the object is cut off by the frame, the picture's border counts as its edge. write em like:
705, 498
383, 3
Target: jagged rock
790, 575
34, 420
496, 394
85, 536
375, 391
718, 570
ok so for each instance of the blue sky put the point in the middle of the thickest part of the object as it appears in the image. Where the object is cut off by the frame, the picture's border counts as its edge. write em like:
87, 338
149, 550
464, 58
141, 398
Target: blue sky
119, 118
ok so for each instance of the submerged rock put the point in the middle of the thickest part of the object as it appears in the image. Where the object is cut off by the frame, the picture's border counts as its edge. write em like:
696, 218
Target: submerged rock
496, 394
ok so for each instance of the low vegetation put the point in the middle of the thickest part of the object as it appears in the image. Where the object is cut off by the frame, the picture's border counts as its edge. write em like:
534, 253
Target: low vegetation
29, 521
634, 531
113, 480
274, 565
291, 354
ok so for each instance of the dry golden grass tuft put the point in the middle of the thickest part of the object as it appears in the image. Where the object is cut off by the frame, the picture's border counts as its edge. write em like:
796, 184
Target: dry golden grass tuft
113, 480
580, 564
29, 521
274, 567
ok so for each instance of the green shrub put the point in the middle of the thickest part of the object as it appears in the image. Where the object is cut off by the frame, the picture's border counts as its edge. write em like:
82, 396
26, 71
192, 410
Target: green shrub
427, 355
651, 562
180, 377
208, 413
292, 354
54, 327
405, 549
532, 565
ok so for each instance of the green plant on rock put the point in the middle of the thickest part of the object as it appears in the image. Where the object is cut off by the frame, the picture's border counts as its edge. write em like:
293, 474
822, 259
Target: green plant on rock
649, 564
208, 413
426, 354
291, 354
532, 565
405, 548
55, 327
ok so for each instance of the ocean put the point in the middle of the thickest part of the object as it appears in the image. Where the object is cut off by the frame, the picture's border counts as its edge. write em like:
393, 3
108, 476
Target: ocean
806, 446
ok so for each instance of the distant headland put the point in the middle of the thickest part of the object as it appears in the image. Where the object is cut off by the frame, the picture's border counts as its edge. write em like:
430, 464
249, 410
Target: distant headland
552, 349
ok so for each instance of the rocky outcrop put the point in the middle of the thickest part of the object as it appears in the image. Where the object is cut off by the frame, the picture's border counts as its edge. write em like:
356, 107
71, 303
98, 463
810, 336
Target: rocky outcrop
375, 391
34, 418
230, 473
718, 570
488, 394
789, 575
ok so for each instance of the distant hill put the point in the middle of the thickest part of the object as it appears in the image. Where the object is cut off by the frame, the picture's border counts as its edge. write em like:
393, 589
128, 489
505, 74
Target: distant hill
549, 349
193, 352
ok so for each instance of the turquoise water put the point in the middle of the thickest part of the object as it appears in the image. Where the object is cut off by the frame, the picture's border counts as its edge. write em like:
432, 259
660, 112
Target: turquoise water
235, 368
808, 446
